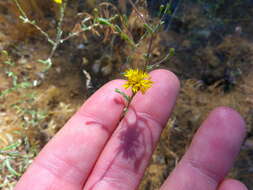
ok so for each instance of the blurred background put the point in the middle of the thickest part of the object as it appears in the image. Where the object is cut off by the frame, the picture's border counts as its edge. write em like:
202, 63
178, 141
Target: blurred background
213, 59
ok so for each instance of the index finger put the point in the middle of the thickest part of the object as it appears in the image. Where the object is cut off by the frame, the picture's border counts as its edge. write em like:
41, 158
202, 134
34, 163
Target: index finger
66, 161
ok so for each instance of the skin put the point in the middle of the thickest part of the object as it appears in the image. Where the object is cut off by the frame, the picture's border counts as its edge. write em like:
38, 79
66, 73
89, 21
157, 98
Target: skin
98, 149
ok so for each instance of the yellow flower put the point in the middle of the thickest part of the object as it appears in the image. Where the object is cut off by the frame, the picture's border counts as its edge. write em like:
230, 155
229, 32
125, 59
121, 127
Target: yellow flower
58, 1
137, 80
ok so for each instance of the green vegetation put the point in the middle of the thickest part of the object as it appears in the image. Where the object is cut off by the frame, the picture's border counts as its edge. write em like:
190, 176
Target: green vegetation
15, 158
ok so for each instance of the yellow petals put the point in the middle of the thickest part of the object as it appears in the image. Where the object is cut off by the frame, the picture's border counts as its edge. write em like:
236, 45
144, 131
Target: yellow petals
58, 1
137, 80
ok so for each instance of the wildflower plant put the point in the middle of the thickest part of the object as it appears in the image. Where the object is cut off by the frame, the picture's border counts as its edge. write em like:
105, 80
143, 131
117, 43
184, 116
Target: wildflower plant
54, 42
138, 79
114, 22
89, 23
14, 161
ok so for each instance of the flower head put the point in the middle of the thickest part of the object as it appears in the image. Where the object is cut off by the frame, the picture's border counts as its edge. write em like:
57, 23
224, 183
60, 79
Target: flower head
137, 80
58, 1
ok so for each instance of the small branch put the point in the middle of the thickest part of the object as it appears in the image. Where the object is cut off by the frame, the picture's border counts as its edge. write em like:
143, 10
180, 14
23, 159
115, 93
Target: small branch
129, 102
25, 19
138, 13
58, 39
161, 61
149, 52
173, 15
170, 54
151, 38
20, 9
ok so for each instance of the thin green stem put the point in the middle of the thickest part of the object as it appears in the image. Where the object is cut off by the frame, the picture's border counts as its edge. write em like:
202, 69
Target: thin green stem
27, 20
71, 35
149, 52
58, 39
130, 100
153, 30
138, 13
161, 61
20, 9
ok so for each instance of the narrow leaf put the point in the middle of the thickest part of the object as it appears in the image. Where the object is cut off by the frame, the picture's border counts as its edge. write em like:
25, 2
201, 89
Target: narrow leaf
123, 94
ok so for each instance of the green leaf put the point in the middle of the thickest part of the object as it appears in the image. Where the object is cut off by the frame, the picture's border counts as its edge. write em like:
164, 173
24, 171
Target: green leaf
85, 27
117, 28
8, 62
123, 94
104, 21
7, 91
47, 62
151, 67
125, 19
10, 147
125, 37
172, 52
13, 76
5, 53
25, 84
10, 168
149, 28
168, 9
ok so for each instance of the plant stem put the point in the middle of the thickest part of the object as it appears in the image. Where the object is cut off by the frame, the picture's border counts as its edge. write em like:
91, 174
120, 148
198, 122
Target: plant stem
130, 100
58, 39
27, 20
138, 13
149, 52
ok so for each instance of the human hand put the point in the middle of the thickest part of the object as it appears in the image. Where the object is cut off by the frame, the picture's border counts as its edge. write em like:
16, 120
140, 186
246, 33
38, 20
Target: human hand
96, 150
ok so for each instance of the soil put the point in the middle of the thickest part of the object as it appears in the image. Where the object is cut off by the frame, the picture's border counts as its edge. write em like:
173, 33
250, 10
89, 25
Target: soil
213, 60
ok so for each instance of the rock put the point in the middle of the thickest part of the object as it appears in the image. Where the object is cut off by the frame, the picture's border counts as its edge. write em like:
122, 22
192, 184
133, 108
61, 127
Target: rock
85, 61
107, 70
96, 66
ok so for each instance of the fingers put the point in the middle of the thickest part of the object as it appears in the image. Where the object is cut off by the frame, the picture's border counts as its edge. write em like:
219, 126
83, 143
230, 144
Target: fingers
66, 161
211, 153
125, 157
231, 184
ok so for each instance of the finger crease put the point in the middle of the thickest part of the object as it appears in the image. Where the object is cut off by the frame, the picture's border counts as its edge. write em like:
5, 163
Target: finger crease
61, 169
210, 175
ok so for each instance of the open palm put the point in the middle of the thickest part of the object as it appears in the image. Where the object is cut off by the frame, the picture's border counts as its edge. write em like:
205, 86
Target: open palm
98, 150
